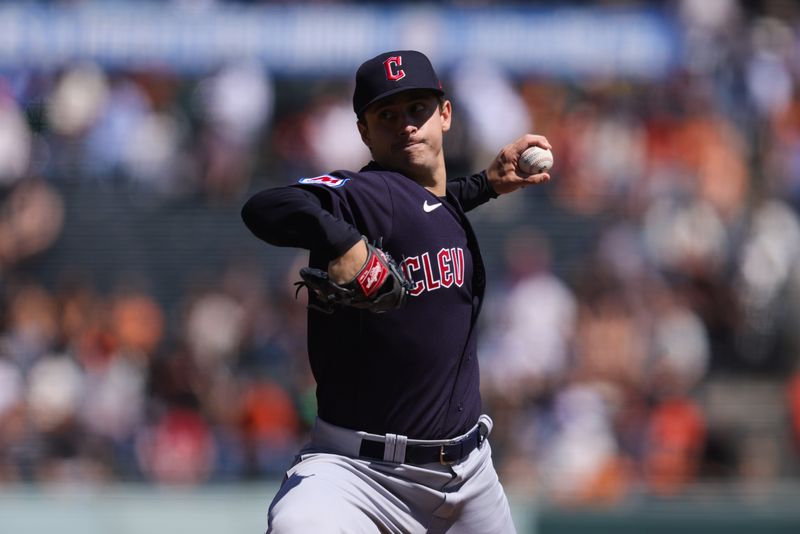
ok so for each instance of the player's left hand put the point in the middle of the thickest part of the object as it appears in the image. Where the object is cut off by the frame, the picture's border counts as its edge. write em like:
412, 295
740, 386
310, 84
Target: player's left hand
380, 285
504, 173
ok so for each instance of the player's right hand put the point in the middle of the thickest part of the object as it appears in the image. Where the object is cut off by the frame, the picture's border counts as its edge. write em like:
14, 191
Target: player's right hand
504, 174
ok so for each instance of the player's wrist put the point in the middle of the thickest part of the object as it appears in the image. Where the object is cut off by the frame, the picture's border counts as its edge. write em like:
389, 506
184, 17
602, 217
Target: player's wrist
346, 267
488, 187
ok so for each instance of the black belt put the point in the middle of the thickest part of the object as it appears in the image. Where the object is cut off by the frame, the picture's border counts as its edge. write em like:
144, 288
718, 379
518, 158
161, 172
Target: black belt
448, 453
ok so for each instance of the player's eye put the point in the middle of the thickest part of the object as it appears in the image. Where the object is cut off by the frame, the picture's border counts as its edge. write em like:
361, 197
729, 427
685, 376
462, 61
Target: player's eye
418, 107
386, 115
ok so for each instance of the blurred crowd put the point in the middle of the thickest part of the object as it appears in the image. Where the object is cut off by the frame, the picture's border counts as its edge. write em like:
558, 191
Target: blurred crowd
594, 362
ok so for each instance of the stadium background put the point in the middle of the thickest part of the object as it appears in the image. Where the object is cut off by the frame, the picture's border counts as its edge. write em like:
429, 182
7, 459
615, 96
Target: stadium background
640, 341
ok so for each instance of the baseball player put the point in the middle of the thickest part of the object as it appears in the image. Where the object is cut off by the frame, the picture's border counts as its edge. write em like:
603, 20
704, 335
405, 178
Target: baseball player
395, 282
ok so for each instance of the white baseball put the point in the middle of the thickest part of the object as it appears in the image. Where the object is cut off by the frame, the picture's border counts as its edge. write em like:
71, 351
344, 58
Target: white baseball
535, 160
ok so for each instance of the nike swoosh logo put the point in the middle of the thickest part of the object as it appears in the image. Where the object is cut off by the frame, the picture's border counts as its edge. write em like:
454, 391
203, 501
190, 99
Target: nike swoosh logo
430, 207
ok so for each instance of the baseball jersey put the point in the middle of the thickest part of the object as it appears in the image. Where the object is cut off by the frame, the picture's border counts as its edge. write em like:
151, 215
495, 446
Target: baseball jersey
411, 371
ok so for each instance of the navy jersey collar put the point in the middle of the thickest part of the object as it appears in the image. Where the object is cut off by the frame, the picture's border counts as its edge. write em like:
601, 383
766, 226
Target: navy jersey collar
373, 166
377, 167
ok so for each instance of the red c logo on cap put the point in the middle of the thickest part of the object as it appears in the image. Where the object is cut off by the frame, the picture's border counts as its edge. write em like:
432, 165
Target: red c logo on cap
393, 72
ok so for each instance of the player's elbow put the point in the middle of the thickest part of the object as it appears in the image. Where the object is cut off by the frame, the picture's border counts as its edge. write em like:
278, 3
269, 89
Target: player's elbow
249, 213
256, 214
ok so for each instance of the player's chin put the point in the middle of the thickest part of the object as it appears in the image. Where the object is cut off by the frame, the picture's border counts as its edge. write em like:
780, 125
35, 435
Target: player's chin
417, 166
411, 154
412, 159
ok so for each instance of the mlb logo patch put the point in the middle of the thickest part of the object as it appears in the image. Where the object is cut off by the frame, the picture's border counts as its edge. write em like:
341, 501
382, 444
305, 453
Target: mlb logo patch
325, 179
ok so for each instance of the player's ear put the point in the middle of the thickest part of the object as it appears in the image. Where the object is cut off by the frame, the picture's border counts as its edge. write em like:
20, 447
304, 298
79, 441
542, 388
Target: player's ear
446, 111
364, 131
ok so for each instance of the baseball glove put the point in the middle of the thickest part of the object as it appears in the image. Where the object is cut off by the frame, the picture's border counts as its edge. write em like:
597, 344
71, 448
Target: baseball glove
379, 286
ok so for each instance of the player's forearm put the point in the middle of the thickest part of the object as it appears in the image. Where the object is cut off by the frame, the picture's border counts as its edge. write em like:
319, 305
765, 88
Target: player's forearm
291, 217
472, 191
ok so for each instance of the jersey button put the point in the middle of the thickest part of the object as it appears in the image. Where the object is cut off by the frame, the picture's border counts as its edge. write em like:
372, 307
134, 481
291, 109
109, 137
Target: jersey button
460, 407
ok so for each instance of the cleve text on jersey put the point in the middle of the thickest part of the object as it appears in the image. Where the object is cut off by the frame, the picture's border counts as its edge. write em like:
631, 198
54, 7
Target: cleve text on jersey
445, 270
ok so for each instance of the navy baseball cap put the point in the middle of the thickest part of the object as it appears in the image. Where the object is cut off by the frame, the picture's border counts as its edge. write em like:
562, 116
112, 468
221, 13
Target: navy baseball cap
393, 72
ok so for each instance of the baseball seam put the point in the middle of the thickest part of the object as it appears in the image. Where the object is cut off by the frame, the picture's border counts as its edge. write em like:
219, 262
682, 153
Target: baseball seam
535, 164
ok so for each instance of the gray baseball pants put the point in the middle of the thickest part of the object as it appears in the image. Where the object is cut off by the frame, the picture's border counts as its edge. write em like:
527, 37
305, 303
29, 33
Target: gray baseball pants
330, 490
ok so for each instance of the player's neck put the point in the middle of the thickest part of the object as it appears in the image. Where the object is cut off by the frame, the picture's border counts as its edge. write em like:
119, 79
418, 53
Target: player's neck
439, 189
433, 183
434, 180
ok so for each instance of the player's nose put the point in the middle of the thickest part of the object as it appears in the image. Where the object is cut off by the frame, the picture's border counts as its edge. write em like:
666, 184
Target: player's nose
407, 125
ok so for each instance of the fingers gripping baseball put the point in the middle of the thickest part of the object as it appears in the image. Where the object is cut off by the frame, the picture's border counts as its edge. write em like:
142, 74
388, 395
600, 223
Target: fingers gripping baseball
509, 172
379, 286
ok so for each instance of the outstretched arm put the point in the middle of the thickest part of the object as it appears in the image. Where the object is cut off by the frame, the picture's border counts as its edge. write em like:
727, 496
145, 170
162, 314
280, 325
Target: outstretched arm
358, 275
294, 217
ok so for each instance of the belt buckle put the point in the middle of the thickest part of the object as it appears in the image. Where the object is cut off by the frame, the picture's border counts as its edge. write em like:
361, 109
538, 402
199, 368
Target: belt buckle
441, 457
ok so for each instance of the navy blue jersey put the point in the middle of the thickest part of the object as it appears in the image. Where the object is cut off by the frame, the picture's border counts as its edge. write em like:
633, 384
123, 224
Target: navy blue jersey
411, 371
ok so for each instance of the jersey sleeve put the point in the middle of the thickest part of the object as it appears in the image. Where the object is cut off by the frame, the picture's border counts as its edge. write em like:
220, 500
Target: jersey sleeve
295, 217
472, 191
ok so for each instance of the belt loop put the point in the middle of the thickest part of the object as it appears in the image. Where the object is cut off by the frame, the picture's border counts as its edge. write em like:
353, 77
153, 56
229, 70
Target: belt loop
486, 420
389, 447
394, 448
400, 449
485, 424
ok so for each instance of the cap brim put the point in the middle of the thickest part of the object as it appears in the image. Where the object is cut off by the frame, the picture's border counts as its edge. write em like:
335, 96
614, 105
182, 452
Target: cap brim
394, 92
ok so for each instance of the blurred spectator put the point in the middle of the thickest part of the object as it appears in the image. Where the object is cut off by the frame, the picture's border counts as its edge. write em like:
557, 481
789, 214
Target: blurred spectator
152, 151
601, 146
235, 104
85, 328
526, 346
715, 151
11, 387
782, 155
214, 329
54, 392
114, 399
12, 415
766, 284
680, 348
270, 425
31, 218
675, 434
581, 462
492, 106
15, 138
769, 78
109, 141
237, 101
611, 342
77, 100
334, 143
32, 326
178, 449
793, 397
320, 137
527, 331
685, 236
137, 322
